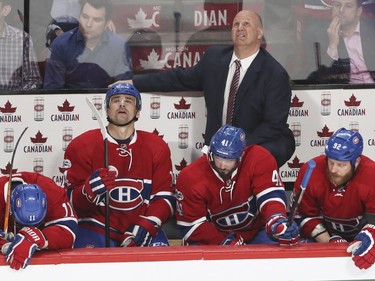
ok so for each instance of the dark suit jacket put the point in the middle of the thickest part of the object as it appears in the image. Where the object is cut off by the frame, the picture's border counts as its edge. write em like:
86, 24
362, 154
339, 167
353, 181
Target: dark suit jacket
337, 71
262, 102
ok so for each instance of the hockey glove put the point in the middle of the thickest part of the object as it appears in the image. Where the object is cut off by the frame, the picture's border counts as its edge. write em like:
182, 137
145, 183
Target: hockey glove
128, 240
25, 243
142, 232
98, 183
336, 239
233, 239
362, 248
276, 226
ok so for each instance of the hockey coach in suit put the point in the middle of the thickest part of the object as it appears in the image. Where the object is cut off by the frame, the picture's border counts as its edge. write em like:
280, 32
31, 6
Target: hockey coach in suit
263, 97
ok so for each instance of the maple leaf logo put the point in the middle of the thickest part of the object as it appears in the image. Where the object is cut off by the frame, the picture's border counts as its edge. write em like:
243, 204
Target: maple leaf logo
38, 138
8, 108
352, 102
182, 165
295, 102
6, 171
156, 132
295, 164
153, 61
182, 105
325, 133
66, 107
140, 20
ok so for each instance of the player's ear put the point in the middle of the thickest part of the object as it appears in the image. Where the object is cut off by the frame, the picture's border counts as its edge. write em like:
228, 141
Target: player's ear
357, 161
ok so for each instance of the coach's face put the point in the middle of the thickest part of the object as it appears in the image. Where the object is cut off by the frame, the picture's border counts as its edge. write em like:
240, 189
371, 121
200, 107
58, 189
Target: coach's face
247, 31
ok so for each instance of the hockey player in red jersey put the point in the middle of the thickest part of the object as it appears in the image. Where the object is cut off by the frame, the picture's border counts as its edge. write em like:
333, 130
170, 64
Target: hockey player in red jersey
338, 204
138, 178
233, 195
41, 218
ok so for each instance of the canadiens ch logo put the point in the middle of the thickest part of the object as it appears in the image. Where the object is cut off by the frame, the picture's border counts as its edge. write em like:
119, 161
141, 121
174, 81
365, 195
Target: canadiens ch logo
129, 194
65, 114
8, 116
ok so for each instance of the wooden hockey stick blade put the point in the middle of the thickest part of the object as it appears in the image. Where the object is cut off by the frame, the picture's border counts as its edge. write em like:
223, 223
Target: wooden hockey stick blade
103, 129
9, 190
99, 118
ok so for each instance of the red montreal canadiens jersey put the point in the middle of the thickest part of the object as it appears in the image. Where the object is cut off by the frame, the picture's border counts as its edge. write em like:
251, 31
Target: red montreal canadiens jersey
143, 182
60, 223
208, 208
340, 211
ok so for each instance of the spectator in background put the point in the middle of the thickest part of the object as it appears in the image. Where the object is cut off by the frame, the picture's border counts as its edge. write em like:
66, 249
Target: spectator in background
89, 56
262, 102
19, 67
345, 51
338, 204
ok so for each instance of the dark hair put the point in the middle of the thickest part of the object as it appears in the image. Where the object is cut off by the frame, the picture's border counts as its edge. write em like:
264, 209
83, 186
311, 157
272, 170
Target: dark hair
97, 4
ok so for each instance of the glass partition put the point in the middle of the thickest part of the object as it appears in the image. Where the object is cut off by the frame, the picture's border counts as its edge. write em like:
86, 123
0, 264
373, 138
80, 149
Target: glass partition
165, 34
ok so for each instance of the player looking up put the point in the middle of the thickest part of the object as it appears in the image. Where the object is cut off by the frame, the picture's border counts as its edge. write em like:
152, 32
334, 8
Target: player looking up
232, 194
138, 178
339, 202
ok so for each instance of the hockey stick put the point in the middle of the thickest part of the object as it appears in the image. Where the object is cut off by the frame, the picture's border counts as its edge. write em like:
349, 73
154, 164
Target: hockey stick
306, 178
9, 190
105, 140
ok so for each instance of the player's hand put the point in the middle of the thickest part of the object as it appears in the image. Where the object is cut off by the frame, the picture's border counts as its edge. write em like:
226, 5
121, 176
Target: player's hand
25, 243
362, 248
5, 239
277, 227
98, 183
143, 231
336, 239
233, 239
128, 240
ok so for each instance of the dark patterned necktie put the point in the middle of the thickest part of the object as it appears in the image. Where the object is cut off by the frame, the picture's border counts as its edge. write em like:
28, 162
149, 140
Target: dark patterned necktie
233, 92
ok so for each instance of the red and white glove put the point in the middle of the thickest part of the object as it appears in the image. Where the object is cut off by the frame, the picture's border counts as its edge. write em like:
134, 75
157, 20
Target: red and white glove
140, 234
336, 239
276, 226
98, 183
362, 248
128, 240
25, 243
233, 239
